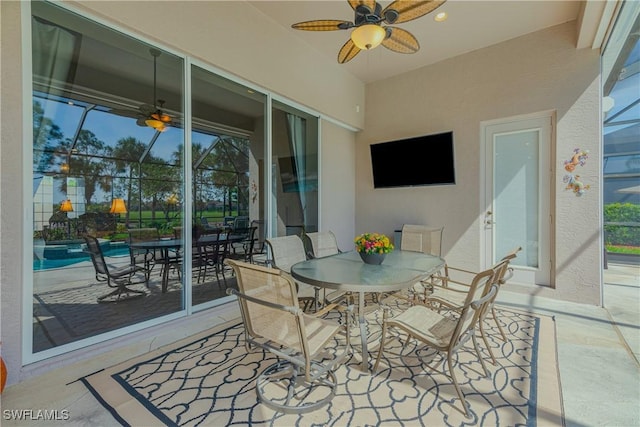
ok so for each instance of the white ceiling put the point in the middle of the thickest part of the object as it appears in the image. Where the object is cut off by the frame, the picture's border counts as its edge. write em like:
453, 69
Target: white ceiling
472, 25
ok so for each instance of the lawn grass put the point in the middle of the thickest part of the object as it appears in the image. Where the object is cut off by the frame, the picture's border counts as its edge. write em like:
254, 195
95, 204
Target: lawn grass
619, 249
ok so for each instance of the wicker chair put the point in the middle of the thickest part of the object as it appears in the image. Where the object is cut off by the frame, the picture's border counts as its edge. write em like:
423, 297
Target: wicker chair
303, 379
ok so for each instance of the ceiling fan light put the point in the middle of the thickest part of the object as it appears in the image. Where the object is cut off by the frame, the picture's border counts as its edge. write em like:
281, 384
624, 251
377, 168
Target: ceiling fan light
368, 36
156, 124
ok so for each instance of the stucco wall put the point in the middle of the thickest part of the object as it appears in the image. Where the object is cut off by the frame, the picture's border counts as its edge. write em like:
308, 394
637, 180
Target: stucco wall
337, 193
12, 209
297, 74
538, 72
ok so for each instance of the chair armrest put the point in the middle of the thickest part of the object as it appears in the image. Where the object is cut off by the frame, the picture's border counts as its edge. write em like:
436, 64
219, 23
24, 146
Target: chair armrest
290, 309
462, 270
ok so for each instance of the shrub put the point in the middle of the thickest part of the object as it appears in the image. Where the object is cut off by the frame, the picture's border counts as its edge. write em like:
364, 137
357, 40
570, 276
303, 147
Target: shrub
626, 234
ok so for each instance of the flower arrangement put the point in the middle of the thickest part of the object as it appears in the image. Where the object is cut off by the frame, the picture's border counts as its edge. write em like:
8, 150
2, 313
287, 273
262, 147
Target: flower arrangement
373, 243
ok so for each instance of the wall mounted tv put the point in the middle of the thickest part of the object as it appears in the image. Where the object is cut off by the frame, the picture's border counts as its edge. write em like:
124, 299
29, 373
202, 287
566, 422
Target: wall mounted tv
423, 160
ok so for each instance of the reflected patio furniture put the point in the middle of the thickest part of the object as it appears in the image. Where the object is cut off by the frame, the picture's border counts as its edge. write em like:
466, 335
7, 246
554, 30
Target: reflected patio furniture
258, 254
285, 252
303, 378
164, 247
442, 333
450, 293
213, 250
207, 225
118, 278
240, 223
243, 249
145, 257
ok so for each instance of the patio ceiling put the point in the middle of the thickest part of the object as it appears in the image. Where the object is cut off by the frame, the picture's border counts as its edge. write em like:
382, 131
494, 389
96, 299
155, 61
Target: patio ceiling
471, 25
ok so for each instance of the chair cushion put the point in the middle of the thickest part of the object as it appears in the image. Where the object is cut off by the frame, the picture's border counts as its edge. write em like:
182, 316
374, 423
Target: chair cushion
425, 324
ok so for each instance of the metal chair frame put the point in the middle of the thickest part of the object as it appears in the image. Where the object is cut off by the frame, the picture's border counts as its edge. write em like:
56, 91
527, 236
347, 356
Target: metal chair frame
118, 278
274, 322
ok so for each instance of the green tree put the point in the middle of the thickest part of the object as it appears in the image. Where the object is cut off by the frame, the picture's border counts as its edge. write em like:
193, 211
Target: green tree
46, 137
128, 152
88, 159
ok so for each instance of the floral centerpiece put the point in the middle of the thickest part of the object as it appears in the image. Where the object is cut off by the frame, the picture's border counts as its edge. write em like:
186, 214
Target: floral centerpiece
373, 247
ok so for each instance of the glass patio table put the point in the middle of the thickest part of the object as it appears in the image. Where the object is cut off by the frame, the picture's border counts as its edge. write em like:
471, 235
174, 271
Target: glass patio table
346, 272
164, 245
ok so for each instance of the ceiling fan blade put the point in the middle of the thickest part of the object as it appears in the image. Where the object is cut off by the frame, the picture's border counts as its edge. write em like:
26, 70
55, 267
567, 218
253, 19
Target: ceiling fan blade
399, 40
323, 25
348, 51
371, 4
405, 10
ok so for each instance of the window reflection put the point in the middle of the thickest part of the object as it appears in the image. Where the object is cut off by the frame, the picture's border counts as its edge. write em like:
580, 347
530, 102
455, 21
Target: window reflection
227, 168
92, 149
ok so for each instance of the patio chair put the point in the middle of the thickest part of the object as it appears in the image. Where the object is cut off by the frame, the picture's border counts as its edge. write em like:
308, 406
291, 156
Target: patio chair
450, 293
303, 378
444, 334
424, 239
286, 251
322, 244
118, 278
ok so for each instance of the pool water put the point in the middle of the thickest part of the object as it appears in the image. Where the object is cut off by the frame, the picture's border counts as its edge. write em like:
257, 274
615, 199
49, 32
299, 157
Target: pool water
46, 264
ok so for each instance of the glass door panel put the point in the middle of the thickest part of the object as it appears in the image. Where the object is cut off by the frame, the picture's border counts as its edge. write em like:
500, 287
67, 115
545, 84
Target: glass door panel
228, 145
517, 183
100, 170
295, 171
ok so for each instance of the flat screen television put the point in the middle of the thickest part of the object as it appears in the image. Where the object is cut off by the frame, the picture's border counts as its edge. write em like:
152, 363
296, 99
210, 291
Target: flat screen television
423, 160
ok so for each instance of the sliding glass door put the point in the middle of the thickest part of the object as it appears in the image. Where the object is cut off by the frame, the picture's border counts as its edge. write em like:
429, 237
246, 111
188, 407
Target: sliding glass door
108, 139
112, 162
295, 171
227, 151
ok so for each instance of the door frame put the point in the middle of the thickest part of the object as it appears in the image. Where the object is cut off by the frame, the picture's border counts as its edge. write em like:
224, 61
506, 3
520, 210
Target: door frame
550, 191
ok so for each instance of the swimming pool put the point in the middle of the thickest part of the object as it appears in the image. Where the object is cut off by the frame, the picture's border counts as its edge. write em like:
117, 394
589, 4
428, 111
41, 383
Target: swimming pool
78, 256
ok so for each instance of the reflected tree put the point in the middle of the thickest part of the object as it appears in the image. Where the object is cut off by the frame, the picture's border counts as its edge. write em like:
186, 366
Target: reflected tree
47, 136
128, 152
87, 157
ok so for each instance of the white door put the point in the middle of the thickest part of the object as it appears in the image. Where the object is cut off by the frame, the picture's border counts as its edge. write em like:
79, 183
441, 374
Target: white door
517, 185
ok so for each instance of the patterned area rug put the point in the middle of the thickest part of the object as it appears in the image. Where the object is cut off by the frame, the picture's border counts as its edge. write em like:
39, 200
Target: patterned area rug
209, 380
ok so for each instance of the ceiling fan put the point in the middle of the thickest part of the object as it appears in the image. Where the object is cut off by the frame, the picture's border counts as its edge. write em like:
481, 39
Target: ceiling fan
368, 31
157, 119
146, 114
